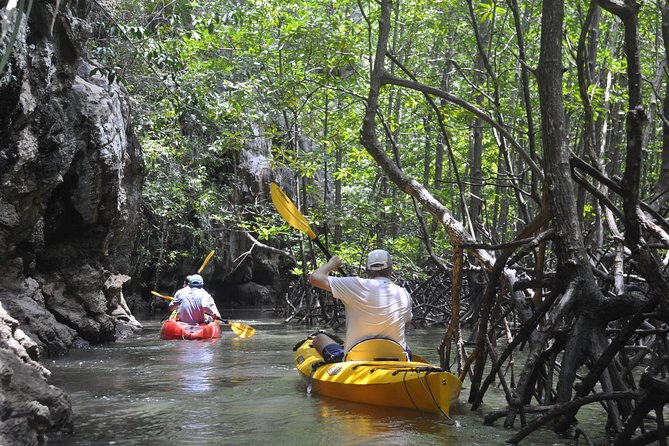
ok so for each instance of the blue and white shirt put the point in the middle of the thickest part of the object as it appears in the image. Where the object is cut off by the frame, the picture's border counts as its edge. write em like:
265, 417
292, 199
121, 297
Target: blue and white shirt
194, 304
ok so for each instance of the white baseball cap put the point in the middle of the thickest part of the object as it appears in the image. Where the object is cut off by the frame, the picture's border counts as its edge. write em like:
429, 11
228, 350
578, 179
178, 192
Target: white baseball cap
378, 260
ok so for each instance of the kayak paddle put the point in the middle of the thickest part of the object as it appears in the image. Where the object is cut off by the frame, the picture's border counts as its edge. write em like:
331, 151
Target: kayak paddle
293, 216
239, 328
206, 260
156, 293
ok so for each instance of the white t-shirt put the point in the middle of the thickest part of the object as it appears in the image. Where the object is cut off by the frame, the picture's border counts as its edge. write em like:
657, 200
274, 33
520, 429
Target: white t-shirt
374, 308
195, 304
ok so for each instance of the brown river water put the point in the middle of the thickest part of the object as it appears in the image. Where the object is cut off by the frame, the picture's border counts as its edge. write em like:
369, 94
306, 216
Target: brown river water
233, 391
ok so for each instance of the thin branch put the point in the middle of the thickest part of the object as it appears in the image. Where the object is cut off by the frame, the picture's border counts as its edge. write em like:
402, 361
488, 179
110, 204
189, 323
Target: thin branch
387, 78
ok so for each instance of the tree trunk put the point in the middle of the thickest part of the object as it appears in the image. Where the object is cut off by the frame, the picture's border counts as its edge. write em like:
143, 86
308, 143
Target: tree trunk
662, 187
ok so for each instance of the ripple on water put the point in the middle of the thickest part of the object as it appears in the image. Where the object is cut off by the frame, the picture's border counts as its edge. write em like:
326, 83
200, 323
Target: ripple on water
233, 391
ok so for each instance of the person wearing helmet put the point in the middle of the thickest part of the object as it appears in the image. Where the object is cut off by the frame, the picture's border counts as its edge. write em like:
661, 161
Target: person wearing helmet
184, 288
375, 307
193, 304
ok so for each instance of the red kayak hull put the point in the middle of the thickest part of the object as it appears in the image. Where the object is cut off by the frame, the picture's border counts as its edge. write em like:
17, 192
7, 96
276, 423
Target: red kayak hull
172, 329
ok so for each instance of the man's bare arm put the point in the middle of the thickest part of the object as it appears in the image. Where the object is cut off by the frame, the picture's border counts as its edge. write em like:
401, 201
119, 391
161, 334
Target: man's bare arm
319, 278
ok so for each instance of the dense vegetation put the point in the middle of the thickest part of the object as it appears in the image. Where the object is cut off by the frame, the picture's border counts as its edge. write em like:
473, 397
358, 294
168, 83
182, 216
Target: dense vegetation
529, 141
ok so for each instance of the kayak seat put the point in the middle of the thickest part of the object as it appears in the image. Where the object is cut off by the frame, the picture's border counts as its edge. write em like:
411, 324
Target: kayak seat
376, 350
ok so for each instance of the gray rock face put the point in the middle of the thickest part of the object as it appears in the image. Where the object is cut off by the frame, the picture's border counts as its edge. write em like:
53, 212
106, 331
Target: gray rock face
245, 275
29, 406
70, 183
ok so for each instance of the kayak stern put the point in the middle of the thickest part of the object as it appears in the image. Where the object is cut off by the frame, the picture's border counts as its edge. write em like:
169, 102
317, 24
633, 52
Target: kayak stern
404, 384
173, 329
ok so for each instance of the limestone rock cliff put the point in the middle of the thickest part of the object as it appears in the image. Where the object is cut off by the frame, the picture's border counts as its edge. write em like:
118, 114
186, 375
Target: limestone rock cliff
70, 184
29, 406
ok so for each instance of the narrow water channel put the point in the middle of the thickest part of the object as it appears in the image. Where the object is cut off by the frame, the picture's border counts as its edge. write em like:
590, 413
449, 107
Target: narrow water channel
232, 391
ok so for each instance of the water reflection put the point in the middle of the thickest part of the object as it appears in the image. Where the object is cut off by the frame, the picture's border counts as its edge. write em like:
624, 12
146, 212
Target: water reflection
195, 361
372, 423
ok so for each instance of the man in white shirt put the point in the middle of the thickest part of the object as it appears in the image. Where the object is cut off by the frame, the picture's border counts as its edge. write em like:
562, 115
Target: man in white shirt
193, 304
375, 307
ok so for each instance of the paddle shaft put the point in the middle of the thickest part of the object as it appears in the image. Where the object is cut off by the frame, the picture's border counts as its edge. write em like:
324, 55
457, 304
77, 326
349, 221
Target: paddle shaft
171, 298
325, 251
156, 293
239, 328
323, 248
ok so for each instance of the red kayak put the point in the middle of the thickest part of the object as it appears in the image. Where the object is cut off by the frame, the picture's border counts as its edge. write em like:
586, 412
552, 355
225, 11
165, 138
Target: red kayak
173, 329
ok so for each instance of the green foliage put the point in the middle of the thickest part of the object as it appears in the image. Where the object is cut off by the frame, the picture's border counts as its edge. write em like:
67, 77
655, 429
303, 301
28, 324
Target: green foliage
296, 272
210, 79
488, 11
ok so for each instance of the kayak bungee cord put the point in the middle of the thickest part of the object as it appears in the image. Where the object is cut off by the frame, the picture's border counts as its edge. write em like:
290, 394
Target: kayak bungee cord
406, 388
426, 385
396, 368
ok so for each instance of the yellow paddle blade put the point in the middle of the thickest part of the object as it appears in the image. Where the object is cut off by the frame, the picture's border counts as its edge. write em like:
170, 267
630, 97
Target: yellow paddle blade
242, 330
156, 293
289, 211
206, 260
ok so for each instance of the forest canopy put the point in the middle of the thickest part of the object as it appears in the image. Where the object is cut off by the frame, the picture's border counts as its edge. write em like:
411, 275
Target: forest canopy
526, 142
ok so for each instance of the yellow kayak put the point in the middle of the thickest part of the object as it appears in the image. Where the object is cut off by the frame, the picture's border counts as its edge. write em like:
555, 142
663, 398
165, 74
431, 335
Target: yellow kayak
376, 372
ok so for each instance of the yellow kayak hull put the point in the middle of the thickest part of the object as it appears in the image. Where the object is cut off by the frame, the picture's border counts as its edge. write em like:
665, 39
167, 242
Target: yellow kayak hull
402, 384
